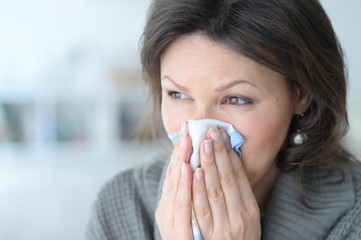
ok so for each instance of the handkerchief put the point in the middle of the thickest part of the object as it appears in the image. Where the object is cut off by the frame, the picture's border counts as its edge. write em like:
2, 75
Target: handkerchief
198, 131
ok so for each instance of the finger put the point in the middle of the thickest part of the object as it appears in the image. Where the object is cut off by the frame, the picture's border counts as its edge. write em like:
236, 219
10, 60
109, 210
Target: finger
239, 173
200, 203
226, 175
213, 187
180, 154
182, 209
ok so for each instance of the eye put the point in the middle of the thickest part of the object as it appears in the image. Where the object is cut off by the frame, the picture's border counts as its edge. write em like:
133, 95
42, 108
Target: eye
237, 100
177, 95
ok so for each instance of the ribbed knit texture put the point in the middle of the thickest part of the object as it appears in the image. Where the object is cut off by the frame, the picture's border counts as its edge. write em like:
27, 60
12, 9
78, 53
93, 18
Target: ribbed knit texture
327, 200
126, 204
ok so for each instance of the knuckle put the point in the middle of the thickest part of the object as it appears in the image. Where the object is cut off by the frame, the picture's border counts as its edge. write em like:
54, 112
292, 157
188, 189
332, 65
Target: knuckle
184, 186
215, 193
208, 162
239, 174
170, 187
228, 179
204, 211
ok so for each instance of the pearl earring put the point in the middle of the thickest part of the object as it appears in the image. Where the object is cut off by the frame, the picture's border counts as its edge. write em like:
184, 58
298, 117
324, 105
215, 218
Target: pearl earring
299, 138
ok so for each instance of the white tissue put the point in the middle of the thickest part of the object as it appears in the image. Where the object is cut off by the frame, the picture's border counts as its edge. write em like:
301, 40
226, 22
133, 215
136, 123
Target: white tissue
198, 131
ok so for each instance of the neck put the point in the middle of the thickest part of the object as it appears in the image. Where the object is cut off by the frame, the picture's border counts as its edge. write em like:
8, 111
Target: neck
263, 188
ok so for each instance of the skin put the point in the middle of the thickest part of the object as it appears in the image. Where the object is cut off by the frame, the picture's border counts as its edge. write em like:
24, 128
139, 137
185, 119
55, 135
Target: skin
203, 79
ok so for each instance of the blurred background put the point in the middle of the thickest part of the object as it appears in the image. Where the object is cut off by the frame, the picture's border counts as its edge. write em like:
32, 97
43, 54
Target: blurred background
71, 96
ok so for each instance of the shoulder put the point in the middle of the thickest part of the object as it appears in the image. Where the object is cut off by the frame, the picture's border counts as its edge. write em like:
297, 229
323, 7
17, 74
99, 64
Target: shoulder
143, 180
355, 169
125, 204
349, 225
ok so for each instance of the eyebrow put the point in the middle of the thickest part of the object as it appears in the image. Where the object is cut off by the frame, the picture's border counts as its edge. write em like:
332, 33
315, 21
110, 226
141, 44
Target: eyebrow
175, 84
218, 89
231, 84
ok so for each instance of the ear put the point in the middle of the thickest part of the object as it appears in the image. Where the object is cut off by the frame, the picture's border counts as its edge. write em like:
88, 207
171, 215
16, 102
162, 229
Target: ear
302, 102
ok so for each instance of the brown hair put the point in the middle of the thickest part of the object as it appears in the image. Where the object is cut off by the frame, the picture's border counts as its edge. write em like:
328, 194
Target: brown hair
292, 37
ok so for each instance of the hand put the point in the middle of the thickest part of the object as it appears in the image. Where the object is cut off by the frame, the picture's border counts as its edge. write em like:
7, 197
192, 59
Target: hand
223, 200
174, 208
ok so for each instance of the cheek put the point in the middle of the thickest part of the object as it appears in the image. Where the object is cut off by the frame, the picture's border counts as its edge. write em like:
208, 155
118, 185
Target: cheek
171, 117
264, 138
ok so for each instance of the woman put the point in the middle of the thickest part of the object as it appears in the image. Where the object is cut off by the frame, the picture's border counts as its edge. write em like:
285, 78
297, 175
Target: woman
274, 70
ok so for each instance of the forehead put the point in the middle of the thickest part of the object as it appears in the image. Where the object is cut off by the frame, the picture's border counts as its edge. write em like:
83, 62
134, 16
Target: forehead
196, 49
197, 57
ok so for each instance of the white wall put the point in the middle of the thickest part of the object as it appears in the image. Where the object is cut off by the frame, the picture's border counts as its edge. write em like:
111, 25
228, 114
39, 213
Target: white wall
64, 51
346, 19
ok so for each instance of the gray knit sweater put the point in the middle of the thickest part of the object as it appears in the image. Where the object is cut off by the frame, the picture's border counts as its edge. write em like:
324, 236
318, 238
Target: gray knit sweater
126, 204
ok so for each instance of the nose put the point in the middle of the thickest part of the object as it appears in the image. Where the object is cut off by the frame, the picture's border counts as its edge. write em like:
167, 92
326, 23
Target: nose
203, 112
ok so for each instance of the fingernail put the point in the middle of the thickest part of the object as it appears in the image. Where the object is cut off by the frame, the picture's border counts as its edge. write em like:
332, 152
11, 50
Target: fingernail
183, 127
183, 167
215, 134
208, 146
199, 174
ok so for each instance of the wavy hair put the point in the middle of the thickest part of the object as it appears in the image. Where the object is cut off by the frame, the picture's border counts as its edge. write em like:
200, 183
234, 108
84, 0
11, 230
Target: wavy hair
292, 37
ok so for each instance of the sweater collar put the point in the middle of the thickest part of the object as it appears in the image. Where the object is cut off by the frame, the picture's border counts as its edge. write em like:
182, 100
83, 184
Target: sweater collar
157, 235
288, 217
326, 198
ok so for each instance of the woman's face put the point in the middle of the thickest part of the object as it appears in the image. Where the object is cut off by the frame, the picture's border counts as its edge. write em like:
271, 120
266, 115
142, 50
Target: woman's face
202, 79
